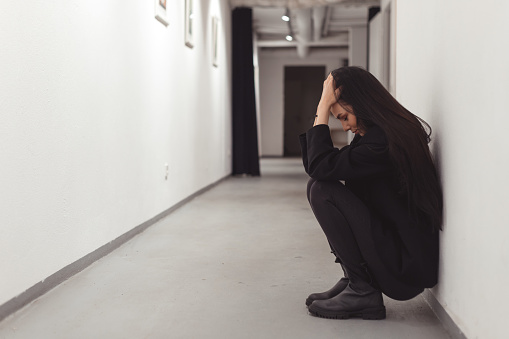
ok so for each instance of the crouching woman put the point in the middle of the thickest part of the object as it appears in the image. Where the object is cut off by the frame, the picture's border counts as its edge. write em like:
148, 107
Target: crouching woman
382, 224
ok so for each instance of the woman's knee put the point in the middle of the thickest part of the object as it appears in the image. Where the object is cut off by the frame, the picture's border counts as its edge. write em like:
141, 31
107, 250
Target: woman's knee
320, 191
311, 181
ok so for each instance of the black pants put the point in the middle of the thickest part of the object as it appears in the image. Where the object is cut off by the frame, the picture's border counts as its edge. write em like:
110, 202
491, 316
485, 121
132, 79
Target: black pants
339, 212
347, 223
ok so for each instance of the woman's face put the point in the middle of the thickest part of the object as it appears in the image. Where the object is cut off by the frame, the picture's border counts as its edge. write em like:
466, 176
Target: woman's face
348, 120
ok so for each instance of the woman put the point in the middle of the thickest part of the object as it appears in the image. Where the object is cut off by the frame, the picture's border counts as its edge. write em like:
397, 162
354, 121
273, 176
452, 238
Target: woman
383, 224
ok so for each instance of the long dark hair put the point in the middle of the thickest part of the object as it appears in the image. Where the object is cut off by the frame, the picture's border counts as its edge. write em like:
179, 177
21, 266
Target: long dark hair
407, 135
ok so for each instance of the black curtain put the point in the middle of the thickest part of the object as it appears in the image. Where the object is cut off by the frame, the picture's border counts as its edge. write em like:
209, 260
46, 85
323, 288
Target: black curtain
244, 137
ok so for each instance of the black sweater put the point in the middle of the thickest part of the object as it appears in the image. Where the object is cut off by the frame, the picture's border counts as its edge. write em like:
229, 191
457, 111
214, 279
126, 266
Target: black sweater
408, 250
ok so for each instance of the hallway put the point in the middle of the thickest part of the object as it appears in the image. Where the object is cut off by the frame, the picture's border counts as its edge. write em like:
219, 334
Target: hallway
235, 262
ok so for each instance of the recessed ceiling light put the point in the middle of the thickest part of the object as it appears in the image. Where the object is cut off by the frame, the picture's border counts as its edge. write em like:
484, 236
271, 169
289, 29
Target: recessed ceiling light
289, 38
285, 18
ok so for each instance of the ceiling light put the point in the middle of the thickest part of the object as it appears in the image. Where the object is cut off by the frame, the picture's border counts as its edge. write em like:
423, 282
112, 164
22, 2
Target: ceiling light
289, 38
286, 16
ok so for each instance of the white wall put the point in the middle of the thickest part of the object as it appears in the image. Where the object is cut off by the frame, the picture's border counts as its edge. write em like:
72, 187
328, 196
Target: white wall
452, 70
272, 64
382, 45
96, 96
376, 52
358, 49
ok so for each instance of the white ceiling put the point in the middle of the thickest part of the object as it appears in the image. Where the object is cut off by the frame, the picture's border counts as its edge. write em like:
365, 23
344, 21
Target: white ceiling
297, 3
314, 23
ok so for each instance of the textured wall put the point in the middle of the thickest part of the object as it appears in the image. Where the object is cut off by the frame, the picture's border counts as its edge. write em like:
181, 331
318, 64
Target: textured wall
452, 70
96, 96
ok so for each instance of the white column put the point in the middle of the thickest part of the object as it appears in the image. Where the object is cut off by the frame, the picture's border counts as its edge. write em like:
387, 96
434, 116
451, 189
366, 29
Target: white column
357, 52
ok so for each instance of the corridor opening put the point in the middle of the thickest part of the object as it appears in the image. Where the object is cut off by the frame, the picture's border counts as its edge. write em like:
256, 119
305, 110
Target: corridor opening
303, 86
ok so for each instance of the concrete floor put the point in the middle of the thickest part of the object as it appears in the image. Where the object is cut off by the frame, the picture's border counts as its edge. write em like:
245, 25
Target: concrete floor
235, 262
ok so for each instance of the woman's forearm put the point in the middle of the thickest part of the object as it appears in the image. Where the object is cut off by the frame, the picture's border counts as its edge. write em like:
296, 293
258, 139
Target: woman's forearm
326, 101
322, 114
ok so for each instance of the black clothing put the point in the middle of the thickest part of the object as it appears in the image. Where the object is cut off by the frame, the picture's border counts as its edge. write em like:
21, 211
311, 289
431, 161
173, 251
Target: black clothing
346, 222
367, 217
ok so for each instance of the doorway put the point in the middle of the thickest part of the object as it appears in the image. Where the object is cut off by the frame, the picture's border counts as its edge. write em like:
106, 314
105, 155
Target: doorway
303, 89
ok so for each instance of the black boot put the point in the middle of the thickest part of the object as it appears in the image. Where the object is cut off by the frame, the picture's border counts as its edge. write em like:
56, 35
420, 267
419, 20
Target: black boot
358, 299
334, 291
367, 303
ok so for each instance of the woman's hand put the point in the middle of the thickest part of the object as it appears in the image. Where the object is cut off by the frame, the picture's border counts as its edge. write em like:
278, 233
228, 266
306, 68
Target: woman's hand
326, 101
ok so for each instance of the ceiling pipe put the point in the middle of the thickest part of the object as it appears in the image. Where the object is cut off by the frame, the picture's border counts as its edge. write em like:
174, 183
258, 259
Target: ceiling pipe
324, 42
295, 4
304, 28
318, 19
326, 25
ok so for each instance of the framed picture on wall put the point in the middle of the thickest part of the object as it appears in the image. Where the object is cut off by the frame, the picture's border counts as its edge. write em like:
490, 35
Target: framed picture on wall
189, 23
160, 11
215, 42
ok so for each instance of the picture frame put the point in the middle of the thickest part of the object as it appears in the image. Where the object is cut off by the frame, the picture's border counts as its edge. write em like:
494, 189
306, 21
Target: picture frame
215, 41
189, 20
160, 11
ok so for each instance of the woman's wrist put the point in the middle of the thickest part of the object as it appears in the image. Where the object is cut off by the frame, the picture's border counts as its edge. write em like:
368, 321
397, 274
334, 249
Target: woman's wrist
322, 114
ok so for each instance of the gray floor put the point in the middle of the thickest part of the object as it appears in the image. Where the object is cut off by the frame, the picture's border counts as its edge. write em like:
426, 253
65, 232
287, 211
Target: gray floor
235, 262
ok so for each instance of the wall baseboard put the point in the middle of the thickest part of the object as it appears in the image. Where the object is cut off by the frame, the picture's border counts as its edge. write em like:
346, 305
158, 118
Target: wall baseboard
446, 320
44, 286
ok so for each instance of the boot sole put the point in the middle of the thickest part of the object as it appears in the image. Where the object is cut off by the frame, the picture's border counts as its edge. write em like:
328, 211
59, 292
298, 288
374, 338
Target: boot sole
377, 313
